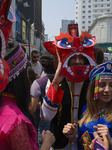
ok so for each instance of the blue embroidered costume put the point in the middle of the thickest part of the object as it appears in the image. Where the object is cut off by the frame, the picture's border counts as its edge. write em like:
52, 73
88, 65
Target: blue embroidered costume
89, 127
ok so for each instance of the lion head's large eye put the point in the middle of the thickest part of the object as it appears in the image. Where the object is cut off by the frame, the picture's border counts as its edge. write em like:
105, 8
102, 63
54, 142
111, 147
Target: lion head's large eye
64, 43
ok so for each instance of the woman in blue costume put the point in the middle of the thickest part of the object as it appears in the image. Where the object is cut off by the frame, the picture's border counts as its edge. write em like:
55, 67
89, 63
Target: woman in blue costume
98, 115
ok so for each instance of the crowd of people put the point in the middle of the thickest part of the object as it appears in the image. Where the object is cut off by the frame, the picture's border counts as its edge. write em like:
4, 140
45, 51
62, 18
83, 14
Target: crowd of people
61, 100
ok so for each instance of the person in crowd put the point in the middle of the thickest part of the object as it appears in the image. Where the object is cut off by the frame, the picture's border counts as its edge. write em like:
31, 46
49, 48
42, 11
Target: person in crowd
16, 129
35, 64
31, 75
38, 92
99, 55
66, 95
98, 115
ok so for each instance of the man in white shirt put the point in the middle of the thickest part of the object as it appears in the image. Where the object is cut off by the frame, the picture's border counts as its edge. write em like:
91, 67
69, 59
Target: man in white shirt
35, 64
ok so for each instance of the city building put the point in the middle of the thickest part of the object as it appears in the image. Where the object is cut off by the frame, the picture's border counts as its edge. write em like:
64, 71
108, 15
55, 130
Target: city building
46, 37
102, 30
86, 11
28, 29
32, 10
64, 25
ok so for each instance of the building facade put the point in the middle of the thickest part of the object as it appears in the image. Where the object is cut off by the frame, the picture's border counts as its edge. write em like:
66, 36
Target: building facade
32, 10
28, 29
102, 30
86, 11
46, 37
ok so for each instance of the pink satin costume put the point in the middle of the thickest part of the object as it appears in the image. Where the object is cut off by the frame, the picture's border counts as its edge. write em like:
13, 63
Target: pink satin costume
16, 130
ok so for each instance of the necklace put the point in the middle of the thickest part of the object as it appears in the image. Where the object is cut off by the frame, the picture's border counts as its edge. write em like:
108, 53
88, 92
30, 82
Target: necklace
100, 114
9, 95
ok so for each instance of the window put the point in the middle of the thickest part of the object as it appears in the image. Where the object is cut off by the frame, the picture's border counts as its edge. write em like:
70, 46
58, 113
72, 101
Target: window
95, 10
83, 11
89, 21
83, 16
83, 6
83, 21
95, 17
18, 22
89, 16
89, 6
83, 27
89, 11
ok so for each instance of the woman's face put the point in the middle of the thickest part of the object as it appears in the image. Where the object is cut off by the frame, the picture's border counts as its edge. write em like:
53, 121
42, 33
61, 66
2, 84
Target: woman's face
105, 89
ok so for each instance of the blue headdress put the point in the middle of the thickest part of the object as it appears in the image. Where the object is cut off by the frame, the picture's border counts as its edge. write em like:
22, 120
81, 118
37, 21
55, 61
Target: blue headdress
102, 69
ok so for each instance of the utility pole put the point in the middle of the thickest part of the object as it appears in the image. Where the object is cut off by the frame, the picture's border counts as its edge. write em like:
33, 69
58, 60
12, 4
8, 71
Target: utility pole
29, 27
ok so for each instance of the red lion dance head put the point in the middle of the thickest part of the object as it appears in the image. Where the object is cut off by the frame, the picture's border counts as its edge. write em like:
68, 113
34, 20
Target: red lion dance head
69, 46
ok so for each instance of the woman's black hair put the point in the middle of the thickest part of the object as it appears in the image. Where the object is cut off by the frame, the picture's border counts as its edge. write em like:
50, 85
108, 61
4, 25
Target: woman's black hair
20, 87
31, 75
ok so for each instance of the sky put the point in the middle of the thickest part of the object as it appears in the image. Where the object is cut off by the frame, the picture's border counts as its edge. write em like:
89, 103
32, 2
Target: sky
53, 11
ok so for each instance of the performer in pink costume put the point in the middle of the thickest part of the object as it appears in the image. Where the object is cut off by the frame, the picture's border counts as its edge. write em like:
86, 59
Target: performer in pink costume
16, 130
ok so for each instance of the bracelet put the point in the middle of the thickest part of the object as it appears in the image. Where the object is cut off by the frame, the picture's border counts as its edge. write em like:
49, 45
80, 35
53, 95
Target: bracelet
96, 137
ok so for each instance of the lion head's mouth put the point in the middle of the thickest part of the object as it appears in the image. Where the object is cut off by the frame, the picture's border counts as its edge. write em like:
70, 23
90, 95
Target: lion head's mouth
77, 73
